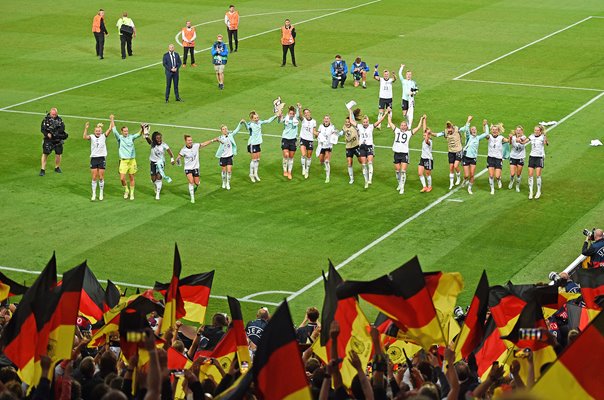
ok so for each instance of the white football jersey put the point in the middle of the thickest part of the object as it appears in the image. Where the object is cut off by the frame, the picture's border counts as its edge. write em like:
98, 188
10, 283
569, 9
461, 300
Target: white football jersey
537, 145
495, 146
191, 156
386, 88
98, 147
227, 146
427, 149
327, 135
157, 153
365, 134
517, 149
401, 141
306, 132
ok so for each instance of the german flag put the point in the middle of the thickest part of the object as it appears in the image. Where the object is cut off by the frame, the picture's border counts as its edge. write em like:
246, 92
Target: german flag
444, 287
10, 288
195, 293
174, 304
404, 297
473, 328
92, 299
20, 336
277, 370
505, 308
354, 328
238, 328
575, 373
112, 296
225, 352
579, 317
547, 295
592, 286
491, 349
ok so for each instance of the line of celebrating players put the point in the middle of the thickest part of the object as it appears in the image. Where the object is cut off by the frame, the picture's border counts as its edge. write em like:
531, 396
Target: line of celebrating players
300, 129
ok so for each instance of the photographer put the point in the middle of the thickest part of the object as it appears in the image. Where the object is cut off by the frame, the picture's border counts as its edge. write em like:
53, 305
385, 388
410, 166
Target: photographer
54, 133
220, 52
593, 247
339, 70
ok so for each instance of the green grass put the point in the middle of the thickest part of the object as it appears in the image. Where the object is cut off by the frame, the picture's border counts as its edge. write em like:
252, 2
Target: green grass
278, 235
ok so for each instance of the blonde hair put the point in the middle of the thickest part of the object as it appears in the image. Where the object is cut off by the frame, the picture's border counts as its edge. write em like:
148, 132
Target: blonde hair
223, 126
252, 113
99, 125
499, 127
365, 117
541, 128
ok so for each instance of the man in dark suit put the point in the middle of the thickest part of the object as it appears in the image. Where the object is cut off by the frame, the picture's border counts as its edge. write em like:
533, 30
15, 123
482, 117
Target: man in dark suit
172, 64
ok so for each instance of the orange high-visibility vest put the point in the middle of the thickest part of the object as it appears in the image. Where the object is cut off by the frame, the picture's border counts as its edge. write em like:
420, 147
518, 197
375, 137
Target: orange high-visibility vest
96, 23
233, 20
286, 36
187, 36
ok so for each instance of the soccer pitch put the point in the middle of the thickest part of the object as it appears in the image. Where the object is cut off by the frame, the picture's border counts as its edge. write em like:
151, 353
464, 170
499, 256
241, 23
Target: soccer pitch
507, 61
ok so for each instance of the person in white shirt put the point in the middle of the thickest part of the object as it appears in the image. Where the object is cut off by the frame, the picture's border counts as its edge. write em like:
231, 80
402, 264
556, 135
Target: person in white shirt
308, 133
495, 155
327, 137
538, 141
426, 164
517, 155
410, 89
98, 154
385, 91
366, 143
190, 153
226, 151
157, 161
400, 147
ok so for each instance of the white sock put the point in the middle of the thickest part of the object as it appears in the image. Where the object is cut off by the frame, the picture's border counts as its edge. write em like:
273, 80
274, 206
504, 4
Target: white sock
303, 161
327, 169
530, 183
365, 175
256, 165
491, 183
429, 179
284, 163
223, 176
228, 177
403, 177
451, 179
538, 183
351, 172
308, 162
380, 114
252, 163
518, 179
398, 176
370, 167
94, 188
191, 189
422, 179
512, 178
458, 174
158, 185
102, 185
290, 164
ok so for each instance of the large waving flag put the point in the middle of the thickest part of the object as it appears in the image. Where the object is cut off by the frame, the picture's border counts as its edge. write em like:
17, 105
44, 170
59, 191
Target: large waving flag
404, 297
238, 328
92, 299
10, 288
278, 360
474, 325
112, 296
505, 308
195, 292
174, 304
575, 374
491, 349
225, 352
592, 286
354, 328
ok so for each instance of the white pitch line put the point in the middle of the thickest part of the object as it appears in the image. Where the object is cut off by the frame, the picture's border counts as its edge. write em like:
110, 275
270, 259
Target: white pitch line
456, 200
422, 211
135, 285
530, 85
250, 296
159, 62
597, 16
522, 48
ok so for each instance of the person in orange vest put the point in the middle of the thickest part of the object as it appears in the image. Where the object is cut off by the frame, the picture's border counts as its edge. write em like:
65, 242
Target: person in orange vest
231, 19
99, 31
188, 43
288, 40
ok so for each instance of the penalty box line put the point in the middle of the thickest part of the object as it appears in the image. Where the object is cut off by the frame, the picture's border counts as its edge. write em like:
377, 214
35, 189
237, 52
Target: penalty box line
159, 62
424, 210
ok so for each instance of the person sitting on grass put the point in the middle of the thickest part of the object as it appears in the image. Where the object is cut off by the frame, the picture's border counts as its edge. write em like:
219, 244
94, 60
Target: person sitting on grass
339, 70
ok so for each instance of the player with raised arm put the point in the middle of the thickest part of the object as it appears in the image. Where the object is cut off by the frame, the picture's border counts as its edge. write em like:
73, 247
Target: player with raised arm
308, 133
453, 136
495, 155
470, 150
190, 153
538, 141
351, 136
517, 155
426, 163
328, 136
127, 154
410, 89
290, 123
98, 154
400, 147
226, 150
366, 143
254, 127
385, 100
157, 161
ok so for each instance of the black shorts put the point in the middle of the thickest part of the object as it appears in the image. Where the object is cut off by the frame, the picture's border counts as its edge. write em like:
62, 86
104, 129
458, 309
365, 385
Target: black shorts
97, 163
352, 152
405, 105
468, 161
48, 146
253, 148
535, 162
306, 143
153, 170
517, 161
224, 161
401, 158
384, 103
455, 157
194, 172
493, 162
323, 151
365, 150
426, 163
288, 144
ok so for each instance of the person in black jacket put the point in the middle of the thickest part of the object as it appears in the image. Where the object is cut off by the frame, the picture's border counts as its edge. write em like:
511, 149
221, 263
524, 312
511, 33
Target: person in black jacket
593, 247
53, 130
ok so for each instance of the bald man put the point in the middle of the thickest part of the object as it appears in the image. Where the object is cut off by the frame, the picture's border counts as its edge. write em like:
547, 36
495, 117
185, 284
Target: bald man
172, 64
53, 130
593, 247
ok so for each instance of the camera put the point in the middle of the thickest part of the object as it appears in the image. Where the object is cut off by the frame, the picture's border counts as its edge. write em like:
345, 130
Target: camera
589, 234
414, 91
